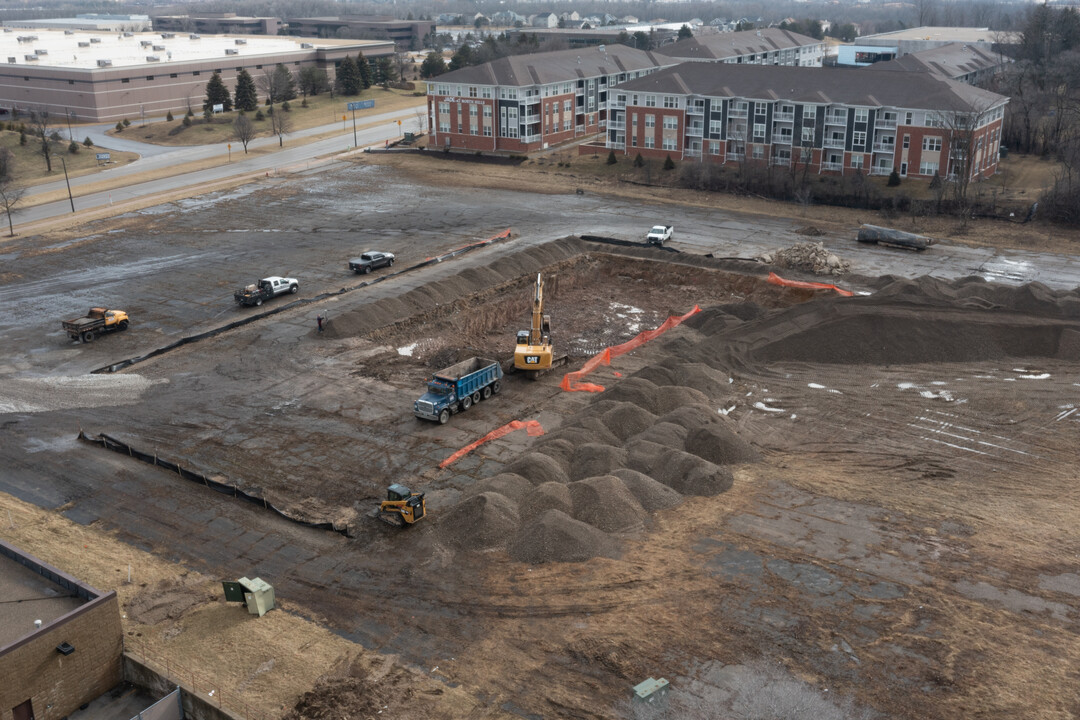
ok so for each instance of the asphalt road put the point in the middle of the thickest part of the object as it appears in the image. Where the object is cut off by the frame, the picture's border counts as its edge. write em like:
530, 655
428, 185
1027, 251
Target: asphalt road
156, 157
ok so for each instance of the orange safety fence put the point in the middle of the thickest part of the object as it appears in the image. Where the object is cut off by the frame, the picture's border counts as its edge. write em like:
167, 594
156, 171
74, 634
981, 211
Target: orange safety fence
531, 426
570, 380
777, 280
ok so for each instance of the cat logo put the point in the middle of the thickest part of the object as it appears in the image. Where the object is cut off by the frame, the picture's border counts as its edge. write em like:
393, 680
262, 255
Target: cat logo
532, 359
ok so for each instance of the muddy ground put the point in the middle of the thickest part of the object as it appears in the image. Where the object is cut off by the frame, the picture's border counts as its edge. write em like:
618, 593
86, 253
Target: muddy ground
903, 543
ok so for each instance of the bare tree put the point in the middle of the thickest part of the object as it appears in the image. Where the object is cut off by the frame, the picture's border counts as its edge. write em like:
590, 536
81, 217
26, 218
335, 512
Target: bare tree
967, 145
41, 124
10, 192
421, 119
401, 63
243, 130
281, 124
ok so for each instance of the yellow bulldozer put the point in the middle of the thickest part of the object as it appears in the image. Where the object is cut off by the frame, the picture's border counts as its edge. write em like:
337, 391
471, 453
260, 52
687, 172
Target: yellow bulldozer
402, 506
534, 353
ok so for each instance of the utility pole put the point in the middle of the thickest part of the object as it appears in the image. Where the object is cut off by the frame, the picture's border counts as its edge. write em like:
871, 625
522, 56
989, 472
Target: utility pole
70, 198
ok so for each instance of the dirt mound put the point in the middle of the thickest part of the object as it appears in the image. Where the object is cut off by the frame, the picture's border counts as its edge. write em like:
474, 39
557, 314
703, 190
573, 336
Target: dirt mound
549, 496
809, 231
692, 417
510, 485
554, 536
559, 449
168, 599
634, 390
626, 419
657, 375
479, 522
702, 378
538, 468
592, 459
662, 433
720, 446
680, 471
606, 503
652, 495
808, 257
677, 396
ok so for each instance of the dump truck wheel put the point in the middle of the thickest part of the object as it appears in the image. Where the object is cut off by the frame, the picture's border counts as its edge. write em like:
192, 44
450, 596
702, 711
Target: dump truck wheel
444, 417
123, 325
486, 392
496, 387
476, 397
88, 337
466, 403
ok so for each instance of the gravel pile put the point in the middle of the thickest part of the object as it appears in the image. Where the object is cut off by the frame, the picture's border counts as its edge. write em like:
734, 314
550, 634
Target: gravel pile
807, 257
557, 537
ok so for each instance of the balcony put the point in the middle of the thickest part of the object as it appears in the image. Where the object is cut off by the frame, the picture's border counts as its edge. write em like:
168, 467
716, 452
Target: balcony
688, 153
885, 123
833, 143
695, 109
880, 170
783, 117
530, 119
781, 139
738, 113
530, 138
832, 166
579, 128
736, 156
836, 119
616, 124
885, 147
781, 161
695, 130
616, 104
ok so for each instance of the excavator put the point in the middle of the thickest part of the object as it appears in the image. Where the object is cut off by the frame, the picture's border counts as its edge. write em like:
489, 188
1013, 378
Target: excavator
534, 354
402, 506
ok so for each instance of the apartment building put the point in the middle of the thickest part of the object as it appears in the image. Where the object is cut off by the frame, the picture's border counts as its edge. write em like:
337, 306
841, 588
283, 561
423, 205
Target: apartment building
969, 64
827, 121
767, 46
525, 103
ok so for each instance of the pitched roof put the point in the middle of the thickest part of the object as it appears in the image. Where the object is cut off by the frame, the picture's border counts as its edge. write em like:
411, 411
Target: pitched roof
863, 87
558, 66
718, 46
952, 61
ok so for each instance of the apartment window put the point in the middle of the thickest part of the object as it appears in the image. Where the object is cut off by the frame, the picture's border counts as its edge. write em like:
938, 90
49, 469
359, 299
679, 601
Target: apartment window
805, 155
125, 80
808, 134
907, 118
473, 92
862, 115
472, 110
487, 131
566, 125
931, 143
857, 162
907, 141
650, 121
71, 82
714, 148
858, 138
650, 101
668, 144
473, 130
760, 108
670, 101
444, 108
758, 152
149, 77
172, 75
671, 122
485, 92
928, 168
194, 72
633, 140
650, 141
759, 130
487, 111
444, 128
634, 100
716, 127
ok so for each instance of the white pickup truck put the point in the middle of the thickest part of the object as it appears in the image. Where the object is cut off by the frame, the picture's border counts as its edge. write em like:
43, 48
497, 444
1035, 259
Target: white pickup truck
265, 289
660, 234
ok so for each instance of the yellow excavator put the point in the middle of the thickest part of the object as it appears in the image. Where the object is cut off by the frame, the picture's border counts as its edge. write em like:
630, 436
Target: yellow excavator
402, 506
534, 354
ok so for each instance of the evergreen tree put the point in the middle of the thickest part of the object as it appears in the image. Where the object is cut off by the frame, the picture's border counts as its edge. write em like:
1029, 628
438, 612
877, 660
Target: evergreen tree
348, 79
433, 65
247, 98
284, 84
385, 73
685, 32
462, 58
217, 94
367, 75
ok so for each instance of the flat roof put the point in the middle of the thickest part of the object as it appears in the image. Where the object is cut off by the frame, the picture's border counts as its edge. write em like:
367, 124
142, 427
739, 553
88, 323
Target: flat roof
62, 49
26, 596
940, 34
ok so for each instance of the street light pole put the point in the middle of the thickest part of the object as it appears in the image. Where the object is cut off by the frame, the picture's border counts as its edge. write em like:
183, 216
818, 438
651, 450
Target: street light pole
70, 198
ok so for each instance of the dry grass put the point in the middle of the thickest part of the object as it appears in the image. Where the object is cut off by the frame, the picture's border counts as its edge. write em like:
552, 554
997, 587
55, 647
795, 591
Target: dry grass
29, 164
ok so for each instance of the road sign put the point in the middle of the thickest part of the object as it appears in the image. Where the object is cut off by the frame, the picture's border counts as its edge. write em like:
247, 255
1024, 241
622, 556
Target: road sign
360, 105
220, 107
103, 156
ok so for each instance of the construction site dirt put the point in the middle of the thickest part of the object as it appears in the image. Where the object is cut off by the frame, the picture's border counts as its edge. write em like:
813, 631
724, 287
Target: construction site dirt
876, 493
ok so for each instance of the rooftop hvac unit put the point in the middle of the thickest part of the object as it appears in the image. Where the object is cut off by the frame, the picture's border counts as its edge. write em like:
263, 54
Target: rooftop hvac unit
240, 41
193, 36
306, 46
69, 32
30, 58
167, 36
41, 52
232, 51
7, 29
84, 43
159, 47
153, 58
11, 59
145, 43
95, 40
104, 63
129, 34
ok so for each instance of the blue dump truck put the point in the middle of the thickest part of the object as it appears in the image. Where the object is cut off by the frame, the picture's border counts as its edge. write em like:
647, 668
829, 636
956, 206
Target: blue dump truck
459, 387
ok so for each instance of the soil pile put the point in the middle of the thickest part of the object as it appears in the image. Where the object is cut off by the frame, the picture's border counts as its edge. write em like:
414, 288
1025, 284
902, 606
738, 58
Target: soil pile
607, 504
557, 537
807, 257
482, 521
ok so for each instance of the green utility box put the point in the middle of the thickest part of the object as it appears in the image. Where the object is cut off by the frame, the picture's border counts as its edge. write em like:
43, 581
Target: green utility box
257, 594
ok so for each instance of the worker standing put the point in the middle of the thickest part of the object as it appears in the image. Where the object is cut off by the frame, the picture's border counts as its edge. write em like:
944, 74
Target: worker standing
319, 319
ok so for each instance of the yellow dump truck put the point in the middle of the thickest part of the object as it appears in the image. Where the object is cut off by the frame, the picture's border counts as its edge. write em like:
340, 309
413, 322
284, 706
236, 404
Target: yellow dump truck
97, 322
